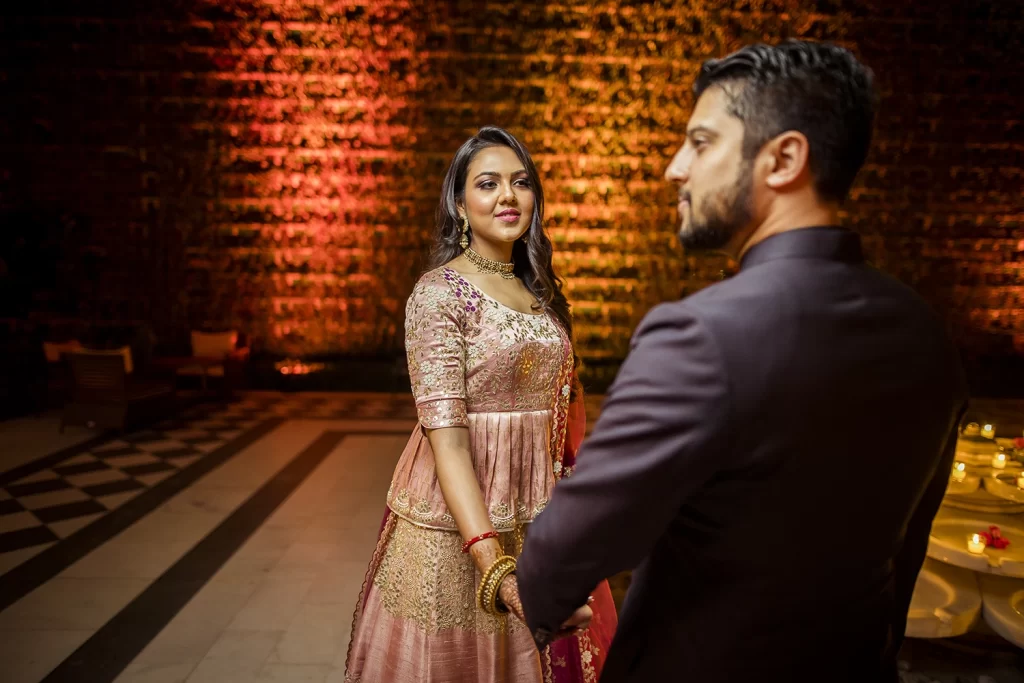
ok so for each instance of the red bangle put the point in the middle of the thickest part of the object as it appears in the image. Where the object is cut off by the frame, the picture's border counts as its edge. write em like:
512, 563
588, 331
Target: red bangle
482, 537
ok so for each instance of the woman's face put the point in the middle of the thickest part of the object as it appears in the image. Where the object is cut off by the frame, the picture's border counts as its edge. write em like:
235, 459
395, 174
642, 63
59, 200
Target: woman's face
499, 197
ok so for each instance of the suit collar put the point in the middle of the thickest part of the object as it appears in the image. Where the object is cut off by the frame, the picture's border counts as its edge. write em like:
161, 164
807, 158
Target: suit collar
830, 243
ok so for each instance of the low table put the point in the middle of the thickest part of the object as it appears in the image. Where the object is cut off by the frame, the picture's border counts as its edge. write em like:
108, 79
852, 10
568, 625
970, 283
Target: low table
176, 363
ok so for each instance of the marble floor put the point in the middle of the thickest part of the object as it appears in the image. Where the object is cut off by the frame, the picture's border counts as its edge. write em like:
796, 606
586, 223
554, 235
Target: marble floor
248, 572
226, 544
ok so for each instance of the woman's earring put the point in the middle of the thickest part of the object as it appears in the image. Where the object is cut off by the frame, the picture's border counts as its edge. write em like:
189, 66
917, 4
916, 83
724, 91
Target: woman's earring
464, 242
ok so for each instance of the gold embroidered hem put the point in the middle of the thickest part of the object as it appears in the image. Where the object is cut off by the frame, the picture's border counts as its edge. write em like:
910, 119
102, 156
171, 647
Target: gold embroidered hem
444, 412
510, 457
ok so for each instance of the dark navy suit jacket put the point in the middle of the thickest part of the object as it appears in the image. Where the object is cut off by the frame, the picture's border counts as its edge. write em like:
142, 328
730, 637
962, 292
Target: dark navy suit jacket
769, 460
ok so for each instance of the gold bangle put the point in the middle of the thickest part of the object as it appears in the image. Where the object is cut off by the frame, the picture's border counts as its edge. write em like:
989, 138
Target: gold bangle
487, 588
487, 592
492, 604
500, 607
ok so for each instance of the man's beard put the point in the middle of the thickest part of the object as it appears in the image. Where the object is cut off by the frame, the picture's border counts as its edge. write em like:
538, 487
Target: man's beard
726, 212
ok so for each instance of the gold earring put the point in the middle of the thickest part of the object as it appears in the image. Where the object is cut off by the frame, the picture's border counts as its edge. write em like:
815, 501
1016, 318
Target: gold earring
464, 242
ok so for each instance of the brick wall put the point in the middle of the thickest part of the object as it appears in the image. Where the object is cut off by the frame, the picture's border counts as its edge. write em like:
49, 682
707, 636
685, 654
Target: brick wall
274, 164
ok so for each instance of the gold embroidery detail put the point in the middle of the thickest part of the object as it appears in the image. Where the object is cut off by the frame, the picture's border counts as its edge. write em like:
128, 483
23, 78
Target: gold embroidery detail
422, 511
423, 515
587, 651
501, 514
447, 412
425, 577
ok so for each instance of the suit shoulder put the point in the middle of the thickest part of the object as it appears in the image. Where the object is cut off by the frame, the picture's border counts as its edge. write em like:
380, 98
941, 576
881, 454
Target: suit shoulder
676, 321
670, 314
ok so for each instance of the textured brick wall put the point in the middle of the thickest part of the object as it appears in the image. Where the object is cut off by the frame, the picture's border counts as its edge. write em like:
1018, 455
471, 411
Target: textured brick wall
274, 164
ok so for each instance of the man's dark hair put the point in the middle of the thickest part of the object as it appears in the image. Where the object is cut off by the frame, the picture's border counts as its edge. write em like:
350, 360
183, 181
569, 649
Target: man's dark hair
818, 89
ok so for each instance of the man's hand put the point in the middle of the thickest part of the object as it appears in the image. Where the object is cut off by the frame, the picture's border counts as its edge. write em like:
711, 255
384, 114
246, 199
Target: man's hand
578, 622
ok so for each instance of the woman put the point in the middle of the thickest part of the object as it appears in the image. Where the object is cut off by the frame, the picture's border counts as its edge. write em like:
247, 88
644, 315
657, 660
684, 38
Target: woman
489, 342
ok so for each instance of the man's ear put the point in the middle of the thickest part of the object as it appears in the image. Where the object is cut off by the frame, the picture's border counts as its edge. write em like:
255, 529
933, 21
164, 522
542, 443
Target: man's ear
788, 160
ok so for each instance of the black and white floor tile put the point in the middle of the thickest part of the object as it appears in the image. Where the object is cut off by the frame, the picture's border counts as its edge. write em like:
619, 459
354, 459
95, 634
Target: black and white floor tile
41, 508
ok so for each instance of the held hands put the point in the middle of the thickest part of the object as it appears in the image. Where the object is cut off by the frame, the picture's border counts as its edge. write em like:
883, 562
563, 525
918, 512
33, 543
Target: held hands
578, 622
508, 593
486, 552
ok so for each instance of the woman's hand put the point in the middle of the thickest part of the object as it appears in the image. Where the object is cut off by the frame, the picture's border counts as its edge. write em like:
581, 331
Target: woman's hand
508, 592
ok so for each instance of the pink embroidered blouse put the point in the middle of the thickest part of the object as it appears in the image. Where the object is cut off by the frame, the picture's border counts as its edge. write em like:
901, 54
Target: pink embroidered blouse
477, 363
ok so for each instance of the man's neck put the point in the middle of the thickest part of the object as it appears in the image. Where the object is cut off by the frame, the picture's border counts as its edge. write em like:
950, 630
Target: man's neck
810, 217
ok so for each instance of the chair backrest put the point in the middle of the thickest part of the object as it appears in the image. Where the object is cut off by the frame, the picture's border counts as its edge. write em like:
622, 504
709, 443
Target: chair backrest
213, 344
99, 377
54, 350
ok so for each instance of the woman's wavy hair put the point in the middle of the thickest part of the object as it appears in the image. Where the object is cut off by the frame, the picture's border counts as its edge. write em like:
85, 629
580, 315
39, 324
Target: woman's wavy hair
531, 253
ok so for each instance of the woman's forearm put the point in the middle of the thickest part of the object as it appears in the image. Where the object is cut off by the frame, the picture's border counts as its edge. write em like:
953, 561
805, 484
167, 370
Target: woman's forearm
461, 490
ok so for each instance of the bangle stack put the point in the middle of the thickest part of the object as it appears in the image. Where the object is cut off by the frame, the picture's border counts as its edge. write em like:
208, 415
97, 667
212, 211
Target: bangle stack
487, 593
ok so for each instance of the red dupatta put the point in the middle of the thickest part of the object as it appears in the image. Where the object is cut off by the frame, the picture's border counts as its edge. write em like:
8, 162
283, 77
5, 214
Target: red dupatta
577, 658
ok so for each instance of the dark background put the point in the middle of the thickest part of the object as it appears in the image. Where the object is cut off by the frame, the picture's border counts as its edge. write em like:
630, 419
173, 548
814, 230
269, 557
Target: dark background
274, 167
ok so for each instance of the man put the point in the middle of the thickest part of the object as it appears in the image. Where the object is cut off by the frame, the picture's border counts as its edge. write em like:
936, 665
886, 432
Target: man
773, 450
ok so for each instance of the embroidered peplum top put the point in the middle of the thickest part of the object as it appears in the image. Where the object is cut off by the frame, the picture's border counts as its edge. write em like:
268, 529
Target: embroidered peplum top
502, 373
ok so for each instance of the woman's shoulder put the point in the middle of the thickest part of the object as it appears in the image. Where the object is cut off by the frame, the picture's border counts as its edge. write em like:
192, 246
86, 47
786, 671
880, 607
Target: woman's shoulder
440, 278
444, 277
439, 286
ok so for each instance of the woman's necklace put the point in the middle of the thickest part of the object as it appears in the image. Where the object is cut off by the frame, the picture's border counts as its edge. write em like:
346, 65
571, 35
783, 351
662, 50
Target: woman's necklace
490, 266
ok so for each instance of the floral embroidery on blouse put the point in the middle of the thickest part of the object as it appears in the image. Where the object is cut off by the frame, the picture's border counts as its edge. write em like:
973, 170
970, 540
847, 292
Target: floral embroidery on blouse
476, 363
436, 349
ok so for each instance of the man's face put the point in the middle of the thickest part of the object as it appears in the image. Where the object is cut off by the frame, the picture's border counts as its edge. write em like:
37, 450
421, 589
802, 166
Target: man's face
715, 182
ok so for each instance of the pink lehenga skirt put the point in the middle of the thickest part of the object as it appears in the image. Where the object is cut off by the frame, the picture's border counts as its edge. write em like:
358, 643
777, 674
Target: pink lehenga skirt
417, 621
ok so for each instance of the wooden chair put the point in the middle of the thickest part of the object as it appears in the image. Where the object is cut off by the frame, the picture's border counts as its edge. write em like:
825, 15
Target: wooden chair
220, 355
105, 397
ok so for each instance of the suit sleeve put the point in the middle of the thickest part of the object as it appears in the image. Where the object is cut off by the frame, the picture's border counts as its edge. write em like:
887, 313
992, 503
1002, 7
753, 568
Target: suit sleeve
660, 437
908, 561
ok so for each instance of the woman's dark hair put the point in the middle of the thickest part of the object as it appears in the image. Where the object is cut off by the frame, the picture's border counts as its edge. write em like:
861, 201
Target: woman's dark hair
531, 253
818, 89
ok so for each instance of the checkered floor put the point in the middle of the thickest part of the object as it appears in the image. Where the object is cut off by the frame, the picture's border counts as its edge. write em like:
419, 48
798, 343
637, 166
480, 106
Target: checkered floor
42, 508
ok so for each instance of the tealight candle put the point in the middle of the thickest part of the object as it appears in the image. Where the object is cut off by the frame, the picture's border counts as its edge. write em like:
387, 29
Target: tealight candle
975, 544
988, 431
1020, 481
972, 429
999, 461
959, 471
